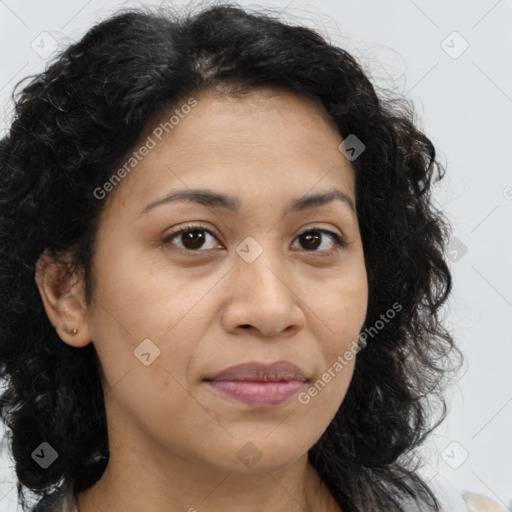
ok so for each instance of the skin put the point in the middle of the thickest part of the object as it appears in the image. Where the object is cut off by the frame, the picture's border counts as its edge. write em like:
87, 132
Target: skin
173, 441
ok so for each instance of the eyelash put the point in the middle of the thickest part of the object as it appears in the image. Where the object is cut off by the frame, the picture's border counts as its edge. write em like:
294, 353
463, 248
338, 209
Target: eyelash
339, 242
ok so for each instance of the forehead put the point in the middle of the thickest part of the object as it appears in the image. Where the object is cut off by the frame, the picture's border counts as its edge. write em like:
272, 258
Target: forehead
271, 139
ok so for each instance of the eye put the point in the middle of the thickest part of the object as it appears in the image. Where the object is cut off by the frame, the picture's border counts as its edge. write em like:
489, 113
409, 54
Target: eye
195, 237
192, 237
312, 238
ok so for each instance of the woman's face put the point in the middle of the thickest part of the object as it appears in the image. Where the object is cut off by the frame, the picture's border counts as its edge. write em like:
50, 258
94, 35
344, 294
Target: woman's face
171, 311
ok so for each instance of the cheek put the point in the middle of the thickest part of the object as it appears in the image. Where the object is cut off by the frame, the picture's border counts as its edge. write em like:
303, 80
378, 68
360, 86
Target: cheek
325, 395
338, 345
144, 333
155, 401
143, 299
342, 310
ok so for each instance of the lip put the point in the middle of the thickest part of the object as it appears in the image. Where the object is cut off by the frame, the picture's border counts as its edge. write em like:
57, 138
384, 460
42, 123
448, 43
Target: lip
259, 385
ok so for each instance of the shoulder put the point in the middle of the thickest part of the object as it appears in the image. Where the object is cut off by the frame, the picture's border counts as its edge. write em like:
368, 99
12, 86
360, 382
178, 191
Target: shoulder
481, 503
452, 499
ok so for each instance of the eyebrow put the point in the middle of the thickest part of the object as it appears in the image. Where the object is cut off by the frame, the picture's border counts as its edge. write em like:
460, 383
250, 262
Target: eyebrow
213, 199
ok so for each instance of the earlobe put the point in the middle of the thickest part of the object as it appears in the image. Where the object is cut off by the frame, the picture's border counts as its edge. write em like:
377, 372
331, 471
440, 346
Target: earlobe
62, 296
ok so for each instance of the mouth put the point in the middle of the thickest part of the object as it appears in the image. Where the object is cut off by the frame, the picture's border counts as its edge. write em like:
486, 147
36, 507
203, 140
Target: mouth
259, 385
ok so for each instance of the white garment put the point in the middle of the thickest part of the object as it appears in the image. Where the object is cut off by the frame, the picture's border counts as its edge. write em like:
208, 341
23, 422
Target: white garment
450, 498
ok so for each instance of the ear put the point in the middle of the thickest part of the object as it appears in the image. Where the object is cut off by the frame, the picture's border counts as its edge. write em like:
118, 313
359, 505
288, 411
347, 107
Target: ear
63, 298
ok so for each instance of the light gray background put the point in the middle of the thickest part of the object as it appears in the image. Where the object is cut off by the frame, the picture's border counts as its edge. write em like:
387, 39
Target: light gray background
464, 103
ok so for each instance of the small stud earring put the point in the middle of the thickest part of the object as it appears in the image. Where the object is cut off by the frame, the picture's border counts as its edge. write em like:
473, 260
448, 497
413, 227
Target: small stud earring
73, 332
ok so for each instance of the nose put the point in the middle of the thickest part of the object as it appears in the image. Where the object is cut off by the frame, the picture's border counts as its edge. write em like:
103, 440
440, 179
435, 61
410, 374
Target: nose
264, 297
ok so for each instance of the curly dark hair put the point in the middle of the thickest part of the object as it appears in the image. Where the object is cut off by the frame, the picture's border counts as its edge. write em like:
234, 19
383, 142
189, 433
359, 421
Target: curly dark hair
74, 124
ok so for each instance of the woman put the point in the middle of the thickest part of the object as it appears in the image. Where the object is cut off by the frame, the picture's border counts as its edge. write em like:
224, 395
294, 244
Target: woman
205, 219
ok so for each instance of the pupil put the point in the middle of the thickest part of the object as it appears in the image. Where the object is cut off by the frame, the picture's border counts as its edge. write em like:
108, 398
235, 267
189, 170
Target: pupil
194, 237
313, 235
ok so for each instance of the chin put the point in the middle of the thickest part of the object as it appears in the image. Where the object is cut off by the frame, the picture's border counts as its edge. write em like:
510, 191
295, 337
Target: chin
262, 454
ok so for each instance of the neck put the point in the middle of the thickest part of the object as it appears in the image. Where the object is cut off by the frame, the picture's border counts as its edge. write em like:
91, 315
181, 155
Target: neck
131, 482
147, 473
